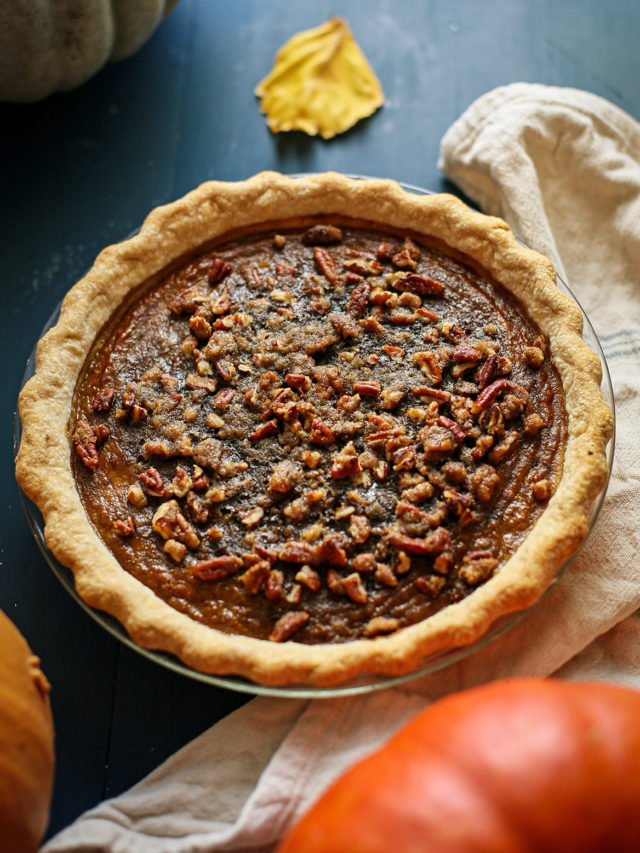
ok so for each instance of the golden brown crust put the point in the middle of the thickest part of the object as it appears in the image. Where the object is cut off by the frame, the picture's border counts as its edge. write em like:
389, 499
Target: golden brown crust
213, 209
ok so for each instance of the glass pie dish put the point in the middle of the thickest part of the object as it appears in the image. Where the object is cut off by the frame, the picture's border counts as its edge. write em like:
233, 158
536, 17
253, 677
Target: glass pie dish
432, 662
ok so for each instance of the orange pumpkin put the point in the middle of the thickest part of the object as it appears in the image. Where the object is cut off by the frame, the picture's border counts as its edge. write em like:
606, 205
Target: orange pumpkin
516, 766
26, 744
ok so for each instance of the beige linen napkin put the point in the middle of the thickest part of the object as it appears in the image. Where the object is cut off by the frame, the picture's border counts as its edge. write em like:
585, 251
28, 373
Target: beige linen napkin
563, 167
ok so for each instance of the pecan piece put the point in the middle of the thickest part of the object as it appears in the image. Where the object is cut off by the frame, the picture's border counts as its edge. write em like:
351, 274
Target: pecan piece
176, 550
219, 269
264, 430
322, 234
255, 576
367, 389
224, 398
354, 588
452, 426
124, 527
287, 625
253, 517
152, 482
326, 265
217, 568
85, 442
295, 551
437, 541
309, 577
333, 550
359, 528
534, 356
321, 433
542, 490
359, 299
381, 625
477, 566
345, 463
430, 585
422, 285
429, 365
489, 394
103, 399
298, 381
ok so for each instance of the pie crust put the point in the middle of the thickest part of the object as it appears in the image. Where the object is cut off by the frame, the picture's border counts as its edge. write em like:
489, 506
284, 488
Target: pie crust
179, 230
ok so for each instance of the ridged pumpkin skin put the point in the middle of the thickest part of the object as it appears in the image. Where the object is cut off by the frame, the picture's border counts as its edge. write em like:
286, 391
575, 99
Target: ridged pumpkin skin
51, 46
26, 744
517, 766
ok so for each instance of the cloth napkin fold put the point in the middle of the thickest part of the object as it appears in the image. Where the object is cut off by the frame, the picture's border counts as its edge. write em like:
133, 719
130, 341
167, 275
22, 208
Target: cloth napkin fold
563, 167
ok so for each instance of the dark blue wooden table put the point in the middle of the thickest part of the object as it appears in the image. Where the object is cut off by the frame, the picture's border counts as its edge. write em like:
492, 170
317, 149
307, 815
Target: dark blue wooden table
81, 170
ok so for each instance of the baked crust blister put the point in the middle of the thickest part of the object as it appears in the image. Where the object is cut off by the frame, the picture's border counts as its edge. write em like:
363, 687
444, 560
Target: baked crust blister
180, 229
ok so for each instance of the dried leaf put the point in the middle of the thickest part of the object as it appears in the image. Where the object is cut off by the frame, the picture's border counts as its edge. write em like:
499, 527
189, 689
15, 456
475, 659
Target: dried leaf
321, 83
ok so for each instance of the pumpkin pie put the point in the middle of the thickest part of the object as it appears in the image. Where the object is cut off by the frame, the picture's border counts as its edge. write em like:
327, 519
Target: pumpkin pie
300, 430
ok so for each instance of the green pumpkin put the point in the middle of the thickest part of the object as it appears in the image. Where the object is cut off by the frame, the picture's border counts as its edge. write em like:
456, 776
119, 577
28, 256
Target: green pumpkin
51, 46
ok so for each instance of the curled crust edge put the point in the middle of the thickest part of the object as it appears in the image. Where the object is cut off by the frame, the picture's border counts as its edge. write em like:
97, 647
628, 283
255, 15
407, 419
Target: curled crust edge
43, 465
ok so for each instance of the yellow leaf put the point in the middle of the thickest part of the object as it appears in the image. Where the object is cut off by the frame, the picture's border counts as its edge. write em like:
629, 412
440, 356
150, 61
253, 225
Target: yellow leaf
321, 83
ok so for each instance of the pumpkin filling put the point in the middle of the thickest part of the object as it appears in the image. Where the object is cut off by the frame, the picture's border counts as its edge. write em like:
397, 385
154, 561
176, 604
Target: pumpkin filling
317, 431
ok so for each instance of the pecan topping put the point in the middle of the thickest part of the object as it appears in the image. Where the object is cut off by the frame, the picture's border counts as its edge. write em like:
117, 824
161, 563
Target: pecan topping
354, 588
433, 543
534, 356
219, 269
264, 430
217, 568
85, 440
322, 234
298, 552
326, 265
152, 483
429, 365
298, 381
287, 625
381, 625
477, 566
419, 284
124, 527
321, 433
103, 399
256, 576
359, 299
367, 389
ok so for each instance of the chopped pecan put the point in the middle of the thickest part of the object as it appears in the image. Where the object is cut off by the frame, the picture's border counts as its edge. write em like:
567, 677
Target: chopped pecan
477, 566
255, 576
308, 577
534, 356
200, 383
370, 324
344, 325
434, 543
103, 399
428, 363
274, 585
253, 517
386, 251
264, 430
176, 550
287, 625
124, 527
430, 585
542, 490
85, 441
435, 393
354, 588
311, 458
392, 397
198, 508
381, 625
500, 451
152, 483
278, 241
332, 549
367, 388
359, 528
295, 551
200, 326
427, 316
136, 497
326, 264
322, 235
364, 266
224, 398
419, 493
364, 562
488, 370
533, 424
452, 426
400, 317
321, 433
219, 269
217, 568
181, 482
464, 353
345, 463
419, 284
489, 394
298, 381
226, 370
385, 575
359, 299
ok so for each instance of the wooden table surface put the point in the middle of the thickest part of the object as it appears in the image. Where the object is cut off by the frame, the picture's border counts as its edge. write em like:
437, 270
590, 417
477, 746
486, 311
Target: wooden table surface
81, 170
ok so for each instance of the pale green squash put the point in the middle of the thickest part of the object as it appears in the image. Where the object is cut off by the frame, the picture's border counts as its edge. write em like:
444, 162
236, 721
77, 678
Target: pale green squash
51, 46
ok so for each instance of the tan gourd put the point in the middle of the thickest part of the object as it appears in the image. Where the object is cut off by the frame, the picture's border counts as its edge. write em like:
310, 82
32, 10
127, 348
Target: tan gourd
55, 45
26, 744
